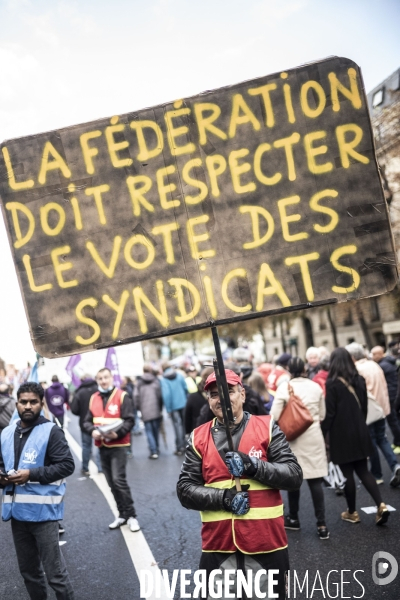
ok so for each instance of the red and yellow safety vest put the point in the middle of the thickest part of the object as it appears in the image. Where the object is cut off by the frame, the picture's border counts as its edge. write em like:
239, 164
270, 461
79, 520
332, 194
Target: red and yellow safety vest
262, 529
277, 376
103, 415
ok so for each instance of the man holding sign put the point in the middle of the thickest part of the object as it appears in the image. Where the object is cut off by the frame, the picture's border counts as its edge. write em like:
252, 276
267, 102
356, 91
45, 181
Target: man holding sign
242, 530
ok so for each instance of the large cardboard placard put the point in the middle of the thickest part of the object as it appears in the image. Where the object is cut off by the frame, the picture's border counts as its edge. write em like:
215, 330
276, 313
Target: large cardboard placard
260, 197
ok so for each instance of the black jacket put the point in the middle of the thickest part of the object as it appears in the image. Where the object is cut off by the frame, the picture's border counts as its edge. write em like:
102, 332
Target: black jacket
80, 401
345, 421
282, 471
58, 461
312, 371
7, 406
389, 367
253, 402
126, 414
194, 405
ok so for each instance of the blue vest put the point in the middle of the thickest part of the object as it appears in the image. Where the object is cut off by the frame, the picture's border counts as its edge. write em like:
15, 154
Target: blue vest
31, 501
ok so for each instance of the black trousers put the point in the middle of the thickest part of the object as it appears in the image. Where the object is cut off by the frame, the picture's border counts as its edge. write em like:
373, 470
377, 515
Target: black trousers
36, 545
237, 561
360, 467
113, 463
317, 495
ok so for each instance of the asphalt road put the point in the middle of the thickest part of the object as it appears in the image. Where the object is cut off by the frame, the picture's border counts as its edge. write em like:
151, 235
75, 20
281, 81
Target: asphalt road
101, 568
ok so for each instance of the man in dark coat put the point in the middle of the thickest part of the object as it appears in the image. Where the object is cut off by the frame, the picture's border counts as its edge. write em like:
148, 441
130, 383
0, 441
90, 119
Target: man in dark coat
196, 402
220, 502
7, 406
389, 368
80, 406
147, 398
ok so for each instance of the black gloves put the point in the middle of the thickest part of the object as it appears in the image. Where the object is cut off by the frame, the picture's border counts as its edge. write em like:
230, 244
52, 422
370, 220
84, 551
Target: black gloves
240, 464
237, 502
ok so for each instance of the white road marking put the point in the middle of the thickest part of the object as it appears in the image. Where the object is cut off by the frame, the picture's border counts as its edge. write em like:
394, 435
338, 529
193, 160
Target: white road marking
138, 548
372, 509
61, 543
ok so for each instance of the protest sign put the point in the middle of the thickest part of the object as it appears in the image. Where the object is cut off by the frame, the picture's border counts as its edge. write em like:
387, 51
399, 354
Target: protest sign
252, 199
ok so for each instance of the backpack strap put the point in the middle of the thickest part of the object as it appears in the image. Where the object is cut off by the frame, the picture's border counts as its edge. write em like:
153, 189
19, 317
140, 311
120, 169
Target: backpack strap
351, 389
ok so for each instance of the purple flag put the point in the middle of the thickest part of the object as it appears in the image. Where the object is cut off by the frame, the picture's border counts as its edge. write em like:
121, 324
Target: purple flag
112, 364
70, 368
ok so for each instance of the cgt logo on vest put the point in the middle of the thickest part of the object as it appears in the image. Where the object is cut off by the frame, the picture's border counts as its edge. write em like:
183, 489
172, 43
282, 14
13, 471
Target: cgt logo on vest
30, 456
113, 409
255, 453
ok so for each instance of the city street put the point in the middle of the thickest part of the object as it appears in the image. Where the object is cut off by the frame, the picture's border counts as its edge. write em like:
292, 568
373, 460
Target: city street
101, 567
200, 215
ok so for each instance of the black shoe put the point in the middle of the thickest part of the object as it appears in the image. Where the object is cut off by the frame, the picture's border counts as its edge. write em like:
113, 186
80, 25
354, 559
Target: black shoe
60, 528
395, 480
293, 524
179, 452
85, 473
323, 533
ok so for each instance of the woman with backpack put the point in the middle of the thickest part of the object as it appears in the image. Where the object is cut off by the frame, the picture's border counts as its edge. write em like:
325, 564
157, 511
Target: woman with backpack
309, 447
349, 440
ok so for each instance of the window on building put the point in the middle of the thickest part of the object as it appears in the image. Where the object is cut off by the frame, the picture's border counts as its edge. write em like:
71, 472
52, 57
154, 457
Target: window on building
396, 81
273, 328
322, 320
379, 338
377, 98
348, 320
374, 307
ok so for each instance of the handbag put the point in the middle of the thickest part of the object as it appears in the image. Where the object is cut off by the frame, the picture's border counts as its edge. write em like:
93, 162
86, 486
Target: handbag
295, 418
335, 478
375, 411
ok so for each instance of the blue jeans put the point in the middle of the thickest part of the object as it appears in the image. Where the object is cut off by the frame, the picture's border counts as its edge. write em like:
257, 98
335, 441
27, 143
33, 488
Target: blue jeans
177, 422
152, 429
377, 432
86, 450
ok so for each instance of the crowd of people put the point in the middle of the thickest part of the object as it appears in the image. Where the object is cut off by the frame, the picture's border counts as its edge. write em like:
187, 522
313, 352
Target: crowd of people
180, 391
350, 395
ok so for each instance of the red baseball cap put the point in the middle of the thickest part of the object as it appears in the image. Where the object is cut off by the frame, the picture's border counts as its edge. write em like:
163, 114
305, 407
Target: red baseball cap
231, 378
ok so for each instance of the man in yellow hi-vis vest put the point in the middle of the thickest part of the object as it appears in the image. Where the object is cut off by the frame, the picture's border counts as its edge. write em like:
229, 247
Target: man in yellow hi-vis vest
241, 531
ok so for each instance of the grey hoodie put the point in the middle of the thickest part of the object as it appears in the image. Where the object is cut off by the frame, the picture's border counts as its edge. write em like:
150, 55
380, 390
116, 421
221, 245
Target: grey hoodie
147, 397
